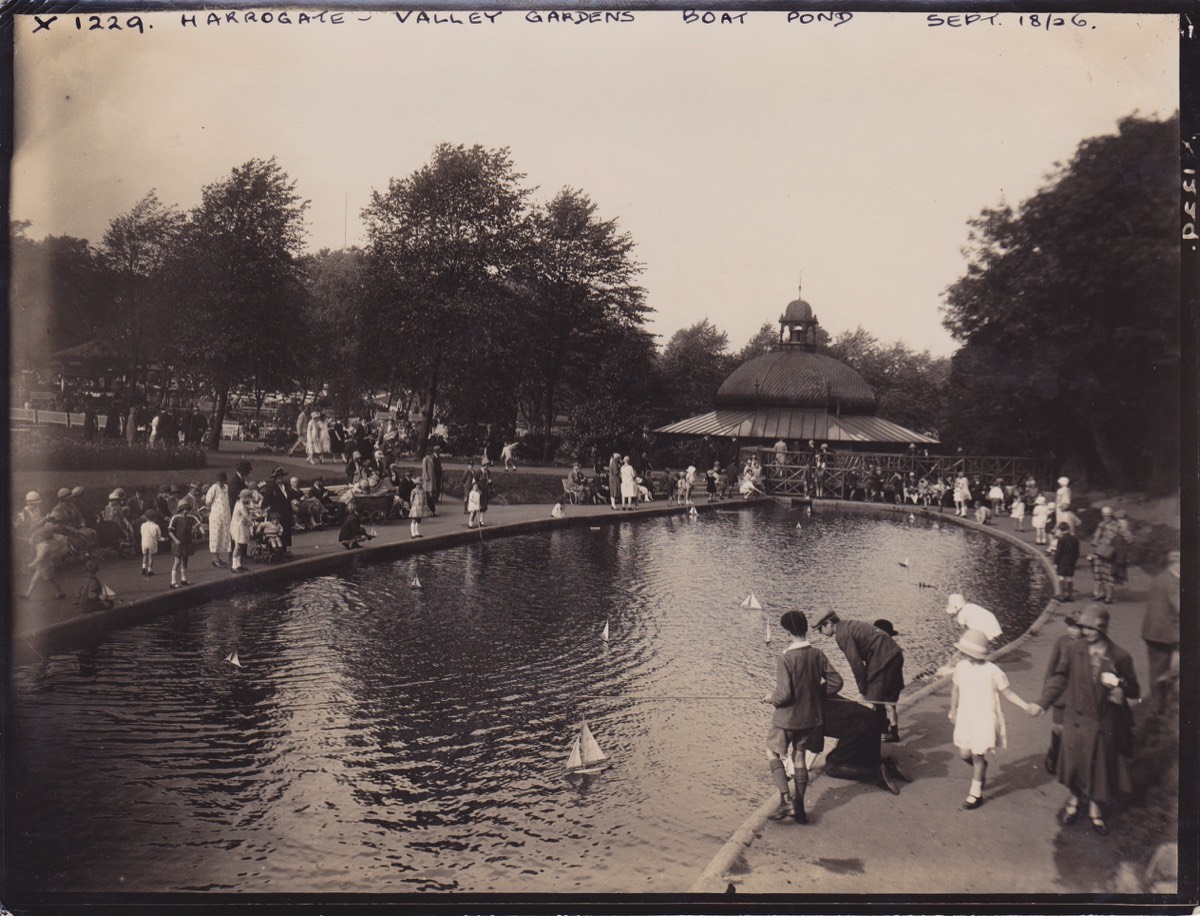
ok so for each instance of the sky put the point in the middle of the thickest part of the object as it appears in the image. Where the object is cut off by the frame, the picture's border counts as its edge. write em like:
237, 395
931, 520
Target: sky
747, 159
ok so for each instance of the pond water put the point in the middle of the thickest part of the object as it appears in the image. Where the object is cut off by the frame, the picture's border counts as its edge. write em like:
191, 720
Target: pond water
387, 739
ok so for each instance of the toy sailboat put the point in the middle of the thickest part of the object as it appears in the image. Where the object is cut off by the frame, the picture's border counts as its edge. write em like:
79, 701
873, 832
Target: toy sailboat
904, 562
798, 526
106, 592
911, 518
692, 512
752, 603
373, 533
586, 756
416, 583
604, 635
233, 659
768, 632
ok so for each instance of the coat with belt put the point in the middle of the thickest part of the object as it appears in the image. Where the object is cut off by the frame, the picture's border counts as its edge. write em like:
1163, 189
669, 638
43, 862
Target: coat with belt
1096, 731
277, 498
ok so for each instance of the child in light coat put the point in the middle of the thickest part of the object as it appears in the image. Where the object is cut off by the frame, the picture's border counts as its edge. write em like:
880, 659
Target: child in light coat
1041, 514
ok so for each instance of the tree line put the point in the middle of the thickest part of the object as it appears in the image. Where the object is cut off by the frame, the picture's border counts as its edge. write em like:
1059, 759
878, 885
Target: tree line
472, 302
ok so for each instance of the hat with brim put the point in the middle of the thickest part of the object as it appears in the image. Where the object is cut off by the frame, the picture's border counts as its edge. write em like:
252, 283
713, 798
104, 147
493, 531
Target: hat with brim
886, 625
33, 497
77, 491
115, 494
1063, 481
64, 493
973, 643
955, 603
826, 616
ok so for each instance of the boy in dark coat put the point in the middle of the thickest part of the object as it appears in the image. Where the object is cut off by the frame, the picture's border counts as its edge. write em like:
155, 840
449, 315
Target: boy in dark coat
1066, 557
803, 676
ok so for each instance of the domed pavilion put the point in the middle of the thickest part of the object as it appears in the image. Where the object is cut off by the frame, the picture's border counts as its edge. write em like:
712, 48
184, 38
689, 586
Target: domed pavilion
796, 394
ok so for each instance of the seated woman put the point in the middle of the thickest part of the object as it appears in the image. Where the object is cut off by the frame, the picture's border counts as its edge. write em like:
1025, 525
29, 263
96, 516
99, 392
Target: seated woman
353, 534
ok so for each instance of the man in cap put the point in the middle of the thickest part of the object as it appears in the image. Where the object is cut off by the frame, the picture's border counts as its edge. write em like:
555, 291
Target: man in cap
803, 675
1097, 678
1160, 631
973, 617
874, 657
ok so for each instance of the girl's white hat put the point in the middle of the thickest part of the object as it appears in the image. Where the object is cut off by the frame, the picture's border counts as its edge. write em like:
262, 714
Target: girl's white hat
973, 643
1063, 481
1040, 501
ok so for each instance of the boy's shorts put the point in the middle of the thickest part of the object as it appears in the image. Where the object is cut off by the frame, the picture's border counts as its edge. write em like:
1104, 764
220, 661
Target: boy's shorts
803, 739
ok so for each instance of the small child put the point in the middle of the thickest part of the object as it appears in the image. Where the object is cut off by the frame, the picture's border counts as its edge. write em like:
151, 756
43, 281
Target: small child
473, 504
92, 595
149, 533
181, 530
1066, 558
557, 511
353, 534
975, 710
1018, 512
710, 480
1061, 647
272, 532
1039, 517
418, 510
671, 486
803, 676
983, 513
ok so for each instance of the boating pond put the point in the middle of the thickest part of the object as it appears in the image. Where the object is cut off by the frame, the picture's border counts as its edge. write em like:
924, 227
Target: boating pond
382, 738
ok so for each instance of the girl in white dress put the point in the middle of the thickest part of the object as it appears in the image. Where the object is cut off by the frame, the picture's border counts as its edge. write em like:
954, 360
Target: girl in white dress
629, 487
975, 710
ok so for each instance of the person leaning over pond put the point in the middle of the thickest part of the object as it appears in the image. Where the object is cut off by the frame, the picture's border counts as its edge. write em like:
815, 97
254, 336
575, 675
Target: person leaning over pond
1097, 679
353, 534
874, 657
803, 675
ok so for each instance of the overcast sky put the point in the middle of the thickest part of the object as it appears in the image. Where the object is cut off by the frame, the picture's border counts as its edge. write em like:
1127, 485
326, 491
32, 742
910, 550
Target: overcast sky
738, 156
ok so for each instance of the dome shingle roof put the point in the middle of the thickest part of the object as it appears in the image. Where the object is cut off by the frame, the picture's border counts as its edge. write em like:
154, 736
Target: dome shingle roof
792, 377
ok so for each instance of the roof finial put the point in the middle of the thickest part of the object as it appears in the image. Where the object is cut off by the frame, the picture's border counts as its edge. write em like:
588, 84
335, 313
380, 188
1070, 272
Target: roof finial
800, 285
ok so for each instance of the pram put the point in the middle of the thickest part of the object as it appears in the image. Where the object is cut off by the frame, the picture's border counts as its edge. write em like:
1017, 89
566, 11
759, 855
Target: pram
375, 508
266, 547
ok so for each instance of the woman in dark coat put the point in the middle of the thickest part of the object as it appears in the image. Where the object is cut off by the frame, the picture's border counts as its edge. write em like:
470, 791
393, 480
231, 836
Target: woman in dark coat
1096, 678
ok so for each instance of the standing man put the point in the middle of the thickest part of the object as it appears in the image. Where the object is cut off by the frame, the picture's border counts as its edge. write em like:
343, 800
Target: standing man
874, 657
239, 481
301, 431
431, 478
1160, 631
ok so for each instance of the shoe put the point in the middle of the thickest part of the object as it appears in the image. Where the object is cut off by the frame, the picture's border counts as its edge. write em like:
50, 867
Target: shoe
149, 572
884, 780
972, 802
217, 563
184, 582
174, 585
783, 811
799, 815
892, 736
1099, 826
1067, 815
894, 771
1108, 600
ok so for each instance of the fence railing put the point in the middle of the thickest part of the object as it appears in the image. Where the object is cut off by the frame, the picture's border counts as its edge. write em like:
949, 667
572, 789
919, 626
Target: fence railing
840, 475
229, 429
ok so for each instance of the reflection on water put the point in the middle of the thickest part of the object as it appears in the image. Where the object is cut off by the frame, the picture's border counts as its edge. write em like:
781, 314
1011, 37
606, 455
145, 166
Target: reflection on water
382, 738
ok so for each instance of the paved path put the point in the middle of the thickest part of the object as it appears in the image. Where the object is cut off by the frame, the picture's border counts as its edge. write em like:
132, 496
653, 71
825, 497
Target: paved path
42, 624
863, 840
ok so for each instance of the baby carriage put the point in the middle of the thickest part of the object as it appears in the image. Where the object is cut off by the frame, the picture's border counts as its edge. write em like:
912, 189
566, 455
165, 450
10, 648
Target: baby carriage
375, 507
266, 543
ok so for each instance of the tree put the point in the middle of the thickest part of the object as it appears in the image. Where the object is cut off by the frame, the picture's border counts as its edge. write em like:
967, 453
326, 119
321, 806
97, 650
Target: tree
135, 252
441, 244
57, 295
576, 283
1077, 291
238, 282
763, 342
692, 367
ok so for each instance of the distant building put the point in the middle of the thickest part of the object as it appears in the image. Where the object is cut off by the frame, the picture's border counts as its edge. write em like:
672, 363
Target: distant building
796, 394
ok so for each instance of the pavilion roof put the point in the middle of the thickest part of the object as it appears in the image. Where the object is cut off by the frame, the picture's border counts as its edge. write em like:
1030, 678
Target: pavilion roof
794, 423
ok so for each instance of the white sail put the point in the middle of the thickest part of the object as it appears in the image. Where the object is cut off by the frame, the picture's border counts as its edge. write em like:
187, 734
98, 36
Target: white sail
904, 562
586, 755
604, 635
692, 512
106, 592
768, 632
416, 583
232, 658
752, 603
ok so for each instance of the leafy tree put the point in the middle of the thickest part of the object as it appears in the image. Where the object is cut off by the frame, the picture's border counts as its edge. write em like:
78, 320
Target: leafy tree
238, 282
577, 283
764, 341
692, 367
135, 251
1070, 305
910, 386
441, 243
56, 296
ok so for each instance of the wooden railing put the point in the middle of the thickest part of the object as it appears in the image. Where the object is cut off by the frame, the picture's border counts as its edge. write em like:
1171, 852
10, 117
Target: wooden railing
837, 475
